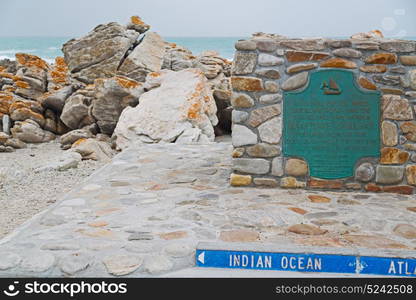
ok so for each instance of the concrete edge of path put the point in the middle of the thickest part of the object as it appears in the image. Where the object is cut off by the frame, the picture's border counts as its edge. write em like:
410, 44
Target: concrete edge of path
197, 272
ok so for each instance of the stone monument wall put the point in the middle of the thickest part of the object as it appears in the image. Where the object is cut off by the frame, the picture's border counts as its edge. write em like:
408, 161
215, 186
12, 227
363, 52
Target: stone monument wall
269, 70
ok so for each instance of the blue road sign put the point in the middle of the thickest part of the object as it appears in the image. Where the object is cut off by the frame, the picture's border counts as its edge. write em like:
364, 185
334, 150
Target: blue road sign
388, 266
305, 262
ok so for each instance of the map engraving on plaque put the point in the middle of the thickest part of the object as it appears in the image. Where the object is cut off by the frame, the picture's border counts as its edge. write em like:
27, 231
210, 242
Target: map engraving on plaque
331, 124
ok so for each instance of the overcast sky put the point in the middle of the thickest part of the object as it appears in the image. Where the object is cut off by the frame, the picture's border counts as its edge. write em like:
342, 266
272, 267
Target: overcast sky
211, 17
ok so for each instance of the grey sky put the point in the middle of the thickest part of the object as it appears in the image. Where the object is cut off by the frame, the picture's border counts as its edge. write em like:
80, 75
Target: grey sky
211, 17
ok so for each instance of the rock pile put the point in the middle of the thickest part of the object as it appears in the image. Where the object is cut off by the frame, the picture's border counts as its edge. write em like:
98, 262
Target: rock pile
161, 91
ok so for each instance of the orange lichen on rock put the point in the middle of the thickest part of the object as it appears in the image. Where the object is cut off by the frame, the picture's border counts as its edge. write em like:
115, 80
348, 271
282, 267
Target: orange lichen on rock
29, 60
193, 112
137, 21
18, 105
338, 63
249, 84
6, 99
22, 84
59, 72
79, 142
391, 155
7, 75
366, 83
382, 58
154, 74
127, 82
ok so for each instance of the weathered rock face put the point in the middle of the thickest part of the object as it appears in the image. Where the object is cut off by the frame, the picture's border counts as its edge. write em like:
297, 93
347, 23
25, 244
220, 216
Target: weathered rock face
6, 99
75, 113
182, 101
32, 76
58, 75
55, 100
74, 135
30, 132
137, 24
98, 54
177, 58
23, 109
210, 63
111, 97
8, 65
145, 58
93, 149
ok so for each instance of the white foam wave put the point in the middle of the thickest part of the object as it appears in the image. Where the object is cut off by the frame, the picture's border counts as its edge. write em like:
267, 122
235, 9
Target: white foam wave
14, 51
53, 48
47, 59
7, 57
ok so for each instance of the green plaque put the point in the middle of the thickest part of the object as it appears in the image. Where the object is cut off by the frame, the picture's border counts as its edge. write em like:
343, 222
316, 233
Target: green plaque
331, 124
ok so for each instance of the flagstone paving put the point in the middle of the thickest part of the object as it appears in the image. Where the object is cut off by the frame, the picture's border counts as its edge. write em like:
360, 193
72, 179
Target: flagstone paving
145, 212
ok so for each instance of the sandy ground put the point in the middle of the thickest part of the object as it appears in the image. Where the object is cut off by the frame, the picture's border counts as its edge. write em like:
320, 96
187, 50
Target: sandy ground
24, 193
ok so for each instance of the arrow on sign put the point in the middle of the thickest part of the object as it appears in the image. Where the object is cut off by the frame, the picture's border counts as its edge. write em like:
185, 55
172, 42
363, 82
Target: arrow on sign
201, 257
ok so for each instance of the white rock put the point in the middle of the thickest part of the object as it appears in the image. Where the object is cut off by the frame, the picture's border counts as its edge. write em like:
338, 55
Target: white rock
67, 160
267, 60
243, 136
277, 166
178, 250
74, 202
190, 135
157, 264
38, 262
271, 131
74, 263
30, 132
182, 101
9, 260
59, 246
145, 58
122, 264
6, 124
93, 149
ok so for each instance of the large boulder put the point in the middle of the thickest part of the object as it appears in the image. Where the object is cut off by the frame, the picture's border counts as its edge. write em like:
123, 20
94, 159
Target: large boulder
93, 149
31, 76
75, 113
65, 161
22, 109
74, 135
146, 57
98, 54
55, 99
30, 132
111, 97
180, 103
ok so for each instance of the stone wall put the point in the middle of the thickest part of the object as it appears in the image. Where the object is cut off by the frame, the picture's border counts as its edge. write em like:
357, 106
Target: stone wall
265, 67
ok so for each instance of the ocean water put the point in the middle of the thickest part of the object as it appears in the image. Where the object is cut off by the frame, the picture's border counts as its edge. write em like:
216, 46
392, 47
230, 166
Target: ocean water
50, 47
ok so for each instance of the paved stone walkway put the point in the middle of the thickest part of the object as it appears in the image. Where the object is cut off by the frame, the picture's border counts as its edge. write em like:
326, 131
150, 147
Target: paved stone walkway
144, 214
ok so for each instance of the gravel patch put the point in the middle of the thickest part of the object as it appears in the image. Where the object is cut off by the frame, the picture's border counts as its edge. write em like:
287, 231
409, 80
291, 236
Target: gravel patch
24, 192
